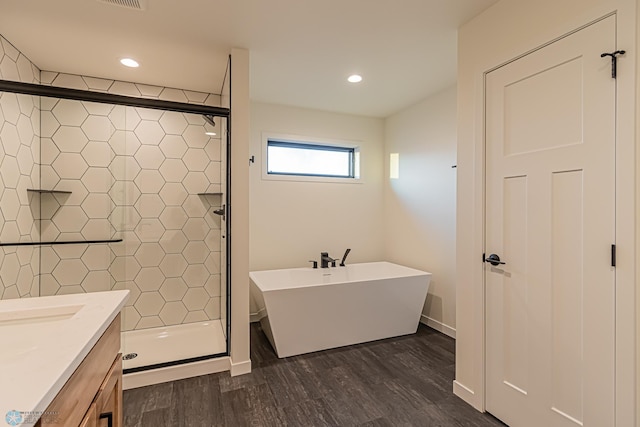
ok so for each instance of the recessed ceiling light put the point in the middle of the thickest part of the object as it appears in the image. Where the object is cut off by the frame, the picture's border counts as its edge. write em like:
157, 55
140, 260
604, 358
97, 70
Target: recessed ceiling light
210, 133
128, 62
354, 78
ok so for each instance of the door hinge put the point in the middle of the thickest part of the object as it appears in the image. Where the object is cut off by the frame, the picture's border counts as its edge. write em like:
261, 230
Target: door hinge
613, 255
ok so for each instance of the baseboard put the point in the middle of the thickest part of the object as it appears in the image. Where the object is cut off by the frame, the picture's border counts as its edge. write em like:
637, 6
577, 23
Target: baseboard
466, 394
240, 368
178, 372
257, 316
438, 326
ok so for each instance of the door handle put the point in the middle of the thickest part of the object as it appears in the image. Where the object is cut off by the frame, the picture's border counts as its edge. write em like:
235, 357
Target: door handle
494, 260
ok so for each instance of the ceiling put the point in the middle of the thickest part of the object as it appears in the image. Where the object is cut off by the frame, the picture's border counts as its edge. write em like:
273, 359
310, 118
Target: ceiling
302, 51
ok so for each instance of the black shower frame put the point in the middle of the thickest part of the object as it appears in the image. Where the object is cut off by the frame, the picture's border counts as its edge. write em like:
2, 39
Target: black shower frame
156, 104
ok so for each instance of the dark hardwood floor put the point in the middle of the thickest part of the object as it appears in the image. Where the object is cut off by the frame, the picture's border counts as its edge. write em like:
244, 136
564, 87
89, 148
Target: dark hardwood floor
403, 381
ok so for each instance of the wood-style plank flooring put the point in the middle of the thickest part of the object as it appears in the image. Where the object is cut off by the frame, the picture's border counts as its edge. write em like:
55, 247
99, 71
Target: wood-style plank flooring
403, 381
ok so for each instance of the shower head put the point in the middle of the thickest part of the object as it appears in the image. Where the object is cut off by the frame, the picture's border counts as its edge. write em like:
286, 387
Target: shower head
209, 119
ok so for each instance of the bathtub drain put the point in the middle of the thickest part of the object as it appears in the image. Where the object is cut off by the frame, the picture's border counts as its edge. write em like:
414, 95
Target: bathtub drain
129, 356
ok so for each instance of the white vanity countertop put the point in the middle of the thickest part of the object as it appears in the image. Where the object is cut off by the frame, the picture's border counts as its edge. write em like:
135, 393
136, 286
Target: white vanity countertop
42, 342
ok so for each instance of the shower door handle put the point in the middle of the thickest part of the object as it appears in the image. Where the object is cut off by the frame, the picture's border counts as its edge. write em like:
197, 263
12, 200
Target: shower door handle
221, 212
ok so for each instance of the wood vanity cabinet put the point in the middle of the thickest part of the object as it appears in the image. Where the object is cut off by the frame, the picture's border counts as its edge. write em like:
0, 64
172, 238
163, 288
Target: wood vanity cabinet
92, 397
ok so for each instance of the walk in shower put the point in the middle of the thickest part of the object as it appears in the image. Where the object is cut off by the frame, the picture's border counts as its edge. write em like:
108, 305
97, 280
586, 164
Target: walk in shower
114, 185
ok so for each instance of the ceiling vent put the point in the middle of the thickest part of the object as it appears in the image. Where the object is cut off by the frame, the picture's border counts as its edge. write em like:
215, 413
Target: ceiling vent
129, 4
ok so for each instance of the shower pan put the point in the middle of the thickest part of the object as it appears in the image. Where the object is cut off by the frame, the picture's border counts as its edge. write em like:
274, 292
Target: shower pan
116, 192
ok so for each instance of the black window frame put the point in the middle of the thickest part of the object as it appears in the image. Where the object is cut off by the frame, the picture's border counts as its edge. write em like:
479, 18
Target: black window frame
313, 146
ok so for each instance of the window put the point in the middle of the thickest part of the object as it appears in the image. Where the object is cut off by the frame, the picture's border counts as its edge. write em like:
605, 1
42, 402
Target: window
311, 159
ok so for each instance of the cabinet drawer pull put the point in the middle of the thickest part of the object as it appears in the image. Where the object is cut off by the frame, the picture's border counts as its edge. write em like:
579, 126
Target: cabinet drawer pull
109, 417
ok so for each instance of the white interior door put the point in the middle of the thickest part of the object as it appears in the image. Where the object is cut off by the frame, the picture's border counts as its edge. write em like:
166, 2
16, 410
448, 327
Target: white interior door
550, 193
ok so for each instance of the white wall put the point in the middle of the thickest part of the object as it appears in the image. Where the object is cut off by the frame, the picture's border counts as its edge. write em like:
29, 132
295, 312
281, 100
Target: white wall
420, 206
292, 222
506, 30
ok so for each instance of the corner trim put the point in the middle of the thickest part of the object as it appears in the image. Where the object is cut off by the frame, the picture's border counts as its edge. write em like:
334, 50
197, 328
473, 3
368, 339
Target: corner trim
438, 326
240, 368
172, 373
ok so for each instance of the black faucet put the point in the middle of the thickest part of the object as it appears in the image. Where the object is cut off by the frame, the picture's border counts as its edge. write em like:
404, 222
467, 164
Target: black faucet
344, 257
325, 259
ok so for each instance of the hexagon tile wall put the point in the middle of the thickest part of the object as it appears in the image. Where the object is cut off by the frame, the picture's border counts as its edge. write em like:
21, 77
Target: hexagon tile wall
19, 157
134, 173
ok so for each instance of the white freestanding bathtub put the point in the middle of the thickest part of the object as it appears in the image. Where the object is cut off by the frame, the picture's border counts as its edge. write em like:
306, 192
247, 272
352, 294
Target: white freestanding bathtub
316, 309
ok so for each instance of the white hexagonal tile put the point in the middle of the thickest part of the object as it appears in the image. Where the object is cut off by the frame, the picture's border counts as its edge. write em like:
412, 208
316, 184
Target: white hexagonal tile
196, 299
149, 114
124, 168
149, 181
149, 279
25, 160
98, 128
195, 275
97, 154
98, 180
212, 172
149, 205
97, 281
25, 129
196, 229
213, 150
70, 113
173, 313
173, 241
70, 272
70, 139
130, 318
10, 107
10, 204
126, 89
149, 322
196, 160
77, 196
10, 172
171, 94
128, 246
125, 218
194, 206
124, 143
173, 265
48, 177
173, 194
97, 257
124, 193
10, 269
70, 165
173, 123
25, 220
213, 308
212, 263
70, 219
10, 139
173, 289
173, 170
48, 231
149, 91
48, 124
98, 109
149, 157
48, 285
149, 230
25, 70
119, 118
9, 69
195, 317
195, 136
212, 286
48, 151
69, 251
149, 254
173, 146
173, 217
149, 303
97, 229
149, 132
48, 259
195, 182
196, 252
124, 268
70, 289
213, 240
134, 292
97, 205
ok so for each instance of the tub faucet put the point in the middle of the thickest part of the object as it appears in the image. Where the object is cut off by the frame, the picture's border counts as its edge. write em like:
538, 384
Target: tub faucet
344, 257
325, 259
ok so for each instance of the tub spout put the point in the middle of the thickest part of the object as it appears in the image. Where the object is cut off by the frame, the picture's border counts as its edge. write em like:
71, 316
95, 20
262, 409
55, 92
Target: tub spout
325, 259
344, 257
